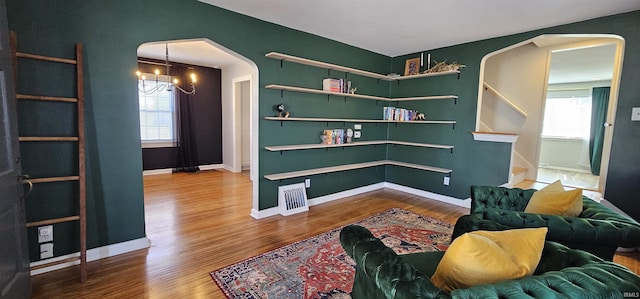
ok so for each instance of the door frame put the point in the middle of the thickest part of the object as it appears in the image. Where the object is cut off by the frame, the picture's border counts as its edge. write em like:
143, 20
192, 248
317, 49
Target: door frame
597, 40
237, 114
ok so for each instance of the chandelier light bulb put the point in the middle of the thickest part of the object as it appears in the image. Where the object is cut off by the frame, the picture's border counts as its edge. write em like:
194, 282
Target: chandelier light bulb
157, 72
138, 73
193, 77
175, 81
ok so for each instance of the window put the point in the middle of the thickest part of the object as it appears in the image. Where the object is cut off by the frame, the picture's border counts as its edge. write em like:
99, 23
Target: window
157, 112
567, 117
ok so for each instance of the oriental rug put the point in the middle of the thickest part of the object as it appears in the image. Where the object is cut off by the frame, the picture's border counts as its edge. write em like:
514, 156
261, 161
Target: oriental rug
318, 267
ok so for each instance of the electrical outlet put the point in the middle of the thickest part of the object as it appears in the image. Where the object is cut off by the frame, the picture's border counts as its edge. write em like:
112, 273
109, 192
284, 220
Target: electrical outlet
635, 114
446, 181
45, 233
357, 127
357, 134
46, 250
307, 183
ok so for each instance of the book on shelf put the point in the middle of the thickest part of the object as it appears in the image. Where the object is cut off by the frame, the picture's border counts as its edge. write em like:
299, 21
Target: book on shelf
336, 85
398, 114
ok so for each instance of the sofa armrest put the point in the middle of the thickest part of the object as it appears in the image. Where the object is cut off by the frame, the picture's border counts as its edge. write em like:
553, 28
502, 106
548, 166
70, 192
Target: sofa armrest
378, 265
474, 222
599, 279
571, 229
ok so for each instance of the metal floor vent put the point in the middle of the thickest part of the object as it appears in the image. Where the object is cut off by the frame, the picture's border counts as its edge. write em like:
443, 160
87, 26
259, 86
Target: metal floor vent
292, 199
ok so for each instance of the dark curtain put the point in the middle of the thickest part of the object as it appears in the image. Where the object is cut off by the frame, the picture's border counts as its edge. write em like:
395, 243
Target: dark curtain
599, 104
187, 148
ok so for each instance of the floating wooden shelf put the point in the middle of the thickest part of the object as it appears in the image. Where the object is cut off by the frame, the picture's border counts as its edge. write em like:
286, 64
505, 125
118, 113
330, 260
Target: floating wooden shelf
53, 221
53, 179
346, 167
351, 120
335, 67
358, 96
294, 147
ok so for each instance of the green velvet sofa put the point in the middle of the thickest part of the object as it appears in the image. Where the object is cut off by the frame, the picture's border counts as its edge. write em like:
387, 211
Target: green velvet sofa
598, 229
561, 273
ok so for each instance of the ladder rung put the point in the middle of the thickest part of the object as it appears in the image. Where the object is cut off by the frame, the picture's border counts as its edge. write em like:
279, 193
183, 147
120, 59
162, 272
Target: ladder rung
36, 138
53, 179
46, 58
45, 98
53, 263
53, 221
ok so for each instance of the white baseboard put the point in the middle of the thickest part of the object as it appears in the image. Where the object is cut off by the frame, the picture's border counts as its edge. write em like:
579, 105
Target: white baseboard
265, 213
157, 171
211, 167
465, 203
343, 194
170, 170
92, 255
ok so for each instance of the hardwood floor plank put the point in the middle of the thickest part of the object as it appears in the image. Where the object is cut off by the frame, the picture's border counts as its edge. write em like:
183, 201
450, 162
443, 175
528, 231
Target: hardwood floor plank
198, 223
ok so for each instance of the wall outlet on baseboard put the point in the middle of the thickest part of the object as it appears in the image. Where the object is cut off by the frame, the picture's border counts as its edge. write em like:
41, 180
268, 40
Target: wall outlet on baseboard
446, 181
357, 134
307, 183
46, 250
635, 114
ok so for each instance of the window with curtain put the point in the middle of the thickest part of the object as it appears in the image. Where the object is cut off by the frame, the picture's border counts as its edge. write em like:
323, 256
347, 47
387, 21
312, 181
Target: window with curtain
567, 117
157, 113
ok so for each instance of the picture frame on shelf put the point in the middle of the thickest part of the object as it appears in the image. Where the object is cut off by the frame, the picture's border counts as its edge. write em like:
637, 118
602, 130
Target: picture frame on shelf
412, 66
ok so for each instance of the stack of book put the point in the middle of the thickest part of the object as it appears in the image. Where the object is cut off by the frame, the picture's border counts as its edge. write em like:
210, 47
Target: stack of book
335, 136
398, 114
336, 85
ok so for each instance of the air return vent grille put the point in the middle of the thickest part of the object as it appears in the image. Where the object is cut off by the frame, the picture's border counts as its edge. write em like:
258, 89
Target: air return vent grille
292, 199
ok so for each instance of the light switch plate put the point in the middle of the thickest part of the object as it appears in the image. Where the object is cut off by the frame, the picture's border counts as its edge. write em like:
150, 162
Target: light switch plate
635, 114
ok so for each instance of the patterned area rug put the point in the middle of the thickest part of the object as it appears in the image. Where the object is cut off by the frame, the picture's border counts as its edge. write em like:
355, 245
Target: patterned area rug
318, 267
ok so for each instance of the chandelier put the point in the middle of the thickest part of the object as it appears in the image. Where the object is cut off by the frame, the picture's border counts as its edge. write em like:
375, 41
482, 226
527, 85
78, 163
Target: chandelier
168, 85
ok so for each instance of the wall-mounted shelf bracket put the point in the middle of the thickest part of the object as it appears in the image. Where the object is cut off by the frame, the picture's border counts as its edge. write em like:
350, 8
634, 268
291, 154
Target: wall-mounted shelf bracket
282, 93
281, 63
454, 126
458, 76
455, 101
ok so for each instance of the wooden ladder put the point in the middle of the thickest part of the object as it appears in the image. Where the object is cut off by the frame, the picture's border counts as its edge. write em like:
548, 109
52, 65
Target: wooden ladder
80, 139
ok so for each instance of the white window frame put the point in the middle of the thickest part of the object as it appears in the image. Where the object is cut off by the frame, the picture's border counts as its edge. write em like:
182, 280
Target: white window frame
159, 143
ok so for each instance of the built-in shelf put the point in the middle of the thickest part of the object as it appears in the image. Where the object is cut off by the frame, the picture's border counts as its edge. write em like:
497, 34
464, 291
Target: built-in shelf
352, 120
346, 167
505, 100
355, 95
335, 67
295, 147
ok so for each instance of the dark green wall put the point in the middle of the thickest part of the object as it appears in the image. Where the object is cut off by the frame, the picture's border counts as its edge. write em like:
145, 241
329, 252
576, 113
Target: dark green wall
111, 31
476, 162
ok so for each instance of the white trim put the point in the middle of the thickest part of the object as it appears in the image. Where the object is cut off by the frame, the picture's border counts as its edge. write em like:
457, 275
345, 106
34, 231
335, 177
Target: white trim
211, 167
93, 254
157, 171
465, 203
170, 170
344, 194
508, 138
265, 213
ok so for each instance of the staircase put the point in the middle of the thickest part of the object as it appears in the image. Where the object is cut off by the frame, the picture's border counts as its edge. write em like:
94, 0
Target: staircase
518, 174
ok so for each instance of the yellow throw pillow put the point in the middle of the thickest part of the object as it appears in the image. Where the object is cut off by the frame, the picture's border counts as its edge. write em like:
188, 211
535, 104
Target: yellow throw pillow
481, 257
553, 200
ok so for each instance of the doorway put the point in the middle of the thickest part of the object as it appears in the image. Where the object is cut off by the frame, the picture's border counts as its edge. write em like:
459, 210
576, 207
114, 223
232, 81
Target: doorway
242, 98
571, 141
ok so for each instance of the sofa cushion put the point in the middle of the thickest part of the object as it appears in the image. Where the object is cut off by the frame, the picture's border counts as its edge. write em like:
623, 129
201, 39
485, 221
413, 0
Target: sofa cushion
554, 200
482, 257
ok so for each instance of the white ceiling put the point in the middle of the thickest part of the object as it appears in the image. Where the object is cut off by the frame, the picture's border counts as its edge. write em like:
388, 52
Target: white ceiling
401, 27
582, 65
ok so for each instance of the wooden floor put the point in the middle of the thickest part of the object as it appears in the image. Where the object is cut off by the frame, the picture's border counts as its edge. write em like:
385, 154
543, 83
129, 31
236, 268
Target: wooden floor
198, 223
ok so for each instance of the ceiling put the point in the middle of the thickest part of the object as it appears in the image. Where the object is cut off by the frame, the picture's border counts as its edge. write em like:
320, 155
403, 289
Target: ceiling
396, 28
422, 25
582, 65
